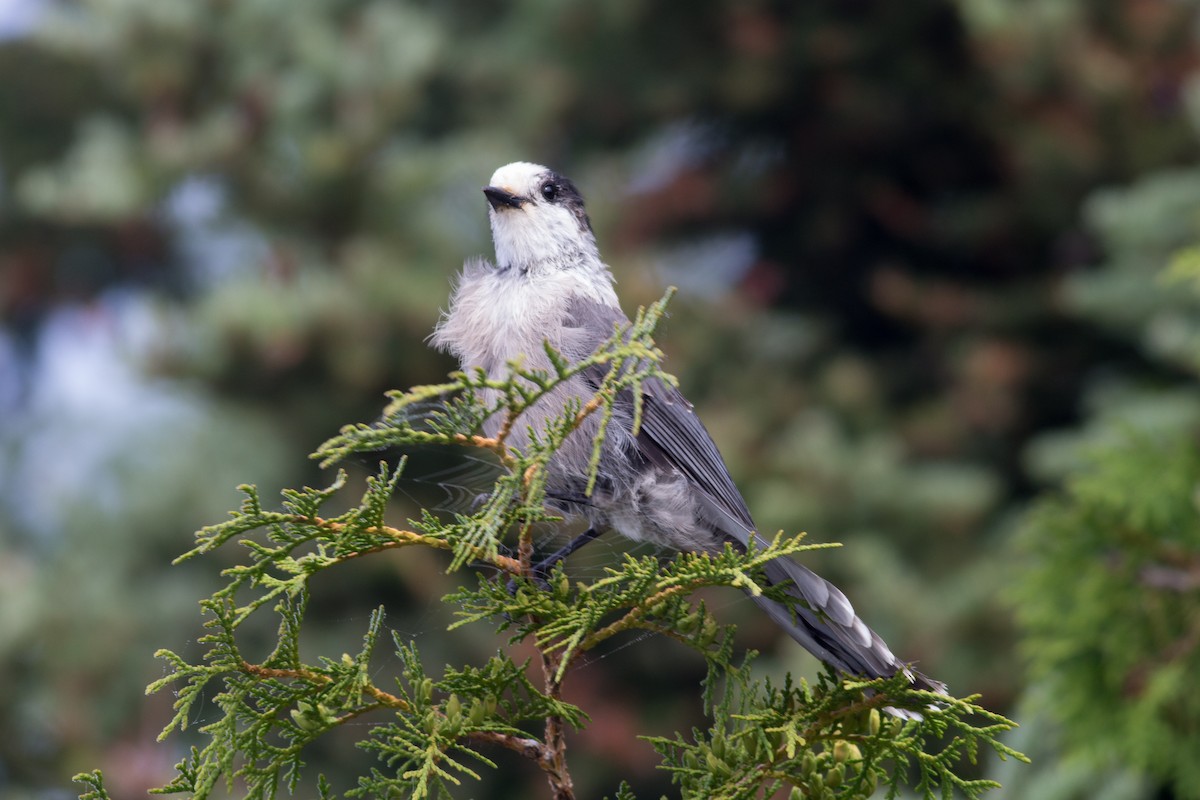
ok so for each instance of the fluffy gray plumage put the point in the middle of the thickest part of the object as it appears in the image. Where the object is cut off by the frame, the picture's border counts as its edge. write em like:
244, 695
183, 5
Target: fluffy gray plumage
668, 484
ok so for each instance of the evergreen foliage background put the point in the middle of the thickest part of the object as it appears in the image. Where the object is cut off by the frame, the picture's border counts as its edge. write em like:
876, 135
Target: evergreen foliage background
920, 249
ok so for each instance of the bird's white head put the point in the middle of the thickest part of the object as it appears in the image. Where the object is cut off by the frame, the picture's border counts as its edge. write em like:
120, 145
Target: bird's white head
538, 220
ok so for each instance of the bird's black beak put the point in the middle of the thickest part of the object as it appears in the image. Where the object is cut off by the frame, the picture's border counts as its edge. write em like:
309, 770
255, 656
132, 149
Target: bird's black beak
501, 198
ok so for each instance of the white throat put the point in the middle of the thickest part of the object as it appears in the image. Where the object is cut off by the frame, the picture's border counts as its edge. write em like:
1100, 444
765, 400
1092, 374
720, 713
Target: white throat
541, 240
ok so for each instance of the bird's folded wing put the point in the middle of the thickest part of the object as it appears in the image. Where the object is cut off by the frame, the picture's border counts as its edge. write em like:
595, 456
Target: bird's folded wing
671, 435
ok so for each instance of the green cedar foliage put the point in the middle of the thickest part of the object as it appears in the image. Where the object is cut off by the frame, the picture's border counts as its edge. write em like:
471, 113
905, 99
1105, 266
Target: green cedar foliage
432, 733
1117, 644
1109, 593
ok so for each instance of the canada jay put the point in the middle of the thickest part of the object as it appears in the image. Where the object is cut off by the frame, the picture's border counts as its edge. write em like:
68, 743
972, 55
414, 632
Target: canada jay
667, 484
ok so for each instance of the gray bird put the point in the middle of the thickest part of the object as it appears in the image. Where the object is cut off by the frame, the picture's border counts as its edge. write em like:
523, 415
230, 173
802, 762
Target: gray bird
667, 484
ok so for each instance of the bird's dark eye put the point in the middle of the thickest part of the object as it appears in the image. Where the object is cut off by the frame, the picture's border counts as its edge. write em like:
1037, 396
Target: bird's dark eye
550, 190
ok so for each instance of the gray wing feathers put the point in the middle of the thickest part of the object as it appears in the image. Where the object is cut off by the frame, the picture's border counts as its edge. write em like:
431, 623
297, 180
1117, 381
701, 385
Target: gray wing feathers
671, 435
825, 623
673, 438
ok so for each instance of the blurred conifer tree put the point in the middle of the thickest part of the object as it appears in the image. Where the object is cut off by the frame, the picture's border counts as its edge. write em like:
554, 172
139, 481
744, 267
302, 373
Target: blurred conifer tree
1110, 586
870, 208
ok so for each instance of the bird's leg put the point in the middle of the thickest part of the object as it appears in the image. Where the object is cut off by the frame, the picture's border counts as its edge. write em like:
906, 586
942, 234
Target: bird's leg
541, 569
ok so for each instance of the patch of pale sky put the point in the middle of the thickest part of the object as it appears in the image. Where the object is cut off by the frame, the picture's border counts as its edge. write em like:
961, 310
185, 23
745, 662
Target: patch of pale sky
17, 17
708, 267
213, 244
87, 399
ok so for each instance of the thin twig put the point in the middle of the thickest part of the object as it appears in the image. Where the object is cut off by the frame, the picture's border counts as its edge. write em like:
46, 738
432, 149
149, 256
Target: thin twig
403, 538
530, 748
377, 694
561, 785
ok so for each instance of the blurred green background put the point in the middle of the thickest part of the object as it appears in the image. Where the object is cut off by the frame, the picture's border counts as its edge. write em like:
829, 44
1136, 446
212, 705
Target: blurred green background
920, 249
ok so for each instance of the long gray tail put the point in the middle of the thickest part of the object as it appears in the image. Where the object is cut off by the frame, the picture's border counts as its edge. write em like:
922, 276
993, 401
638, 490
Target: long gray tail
824, 623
